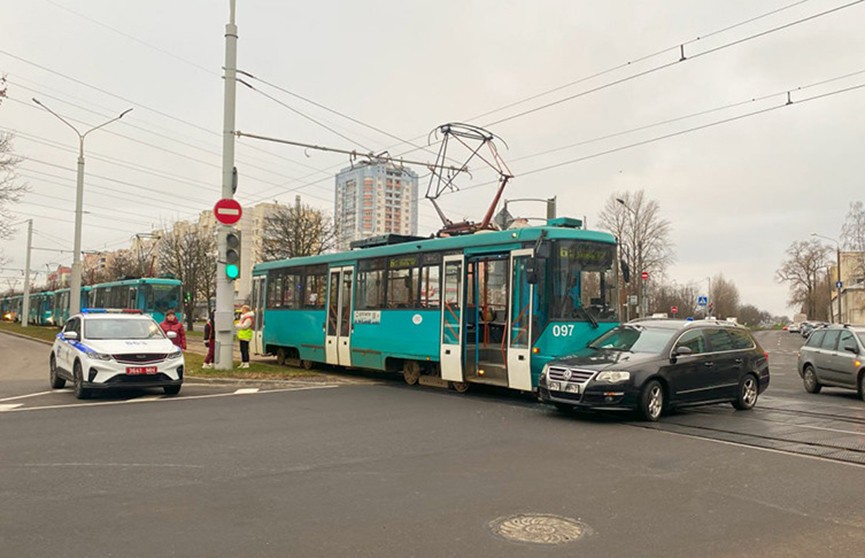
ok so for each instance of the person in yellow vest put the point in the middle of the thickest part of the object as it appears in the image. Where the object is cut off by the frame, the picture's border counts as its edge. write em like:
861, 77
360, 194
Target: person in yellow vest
244, 333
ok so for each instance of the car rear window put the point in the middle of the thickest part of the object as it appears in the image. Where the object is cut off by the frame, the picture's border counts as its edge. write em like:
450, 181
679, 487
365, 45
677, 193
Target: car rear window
816, 338
741, 339
830, 340
720, 340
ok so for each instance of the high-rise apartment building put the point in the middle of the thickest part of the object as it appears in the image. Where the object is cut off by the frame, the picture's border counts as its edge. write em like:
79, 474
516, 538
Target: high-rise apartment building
374, 199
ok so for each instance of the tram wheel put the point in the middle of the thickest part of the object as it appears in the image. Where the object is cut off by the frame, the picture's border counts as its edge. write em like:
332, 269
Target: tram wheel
411, 372
459, 387
307, 364
280, 356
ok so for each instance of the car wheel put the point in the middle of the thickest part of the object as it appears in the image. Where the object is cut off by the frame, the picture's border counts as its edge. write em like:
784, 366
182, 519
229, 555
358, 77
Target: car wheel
748, 393
56, 381
861, 385
78, 382
171, 390
411, 372
809, 379
652, 401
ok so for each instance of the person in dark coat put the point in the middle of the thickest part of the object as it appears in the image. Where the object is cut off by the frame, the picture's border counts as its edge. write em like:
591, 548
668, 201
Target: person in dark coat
171, 323
209, 341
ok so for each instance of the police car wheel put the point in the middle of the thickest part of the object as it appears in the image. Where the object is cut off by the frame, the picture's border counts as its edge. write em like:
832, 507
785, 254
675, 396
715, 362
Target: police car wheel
56, 381
78, 382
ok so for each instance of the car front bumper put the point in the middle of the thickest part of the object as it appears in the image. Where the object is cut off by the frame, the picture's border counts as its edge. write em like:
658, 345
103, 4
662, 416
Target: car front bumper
609, 397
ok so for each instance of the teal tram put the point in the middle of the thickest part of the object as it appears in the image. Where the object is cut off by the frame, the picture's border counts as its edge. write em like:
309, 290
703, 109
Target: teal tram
491, 307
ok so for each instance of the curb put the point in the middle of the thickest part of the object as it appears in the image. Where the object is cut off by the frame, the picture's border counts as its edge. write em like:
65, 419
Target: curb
21, 336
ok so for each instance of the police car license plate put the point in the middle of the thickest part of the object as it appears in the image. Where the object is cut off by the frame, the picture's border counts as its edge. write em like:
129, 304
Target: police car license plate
138, 370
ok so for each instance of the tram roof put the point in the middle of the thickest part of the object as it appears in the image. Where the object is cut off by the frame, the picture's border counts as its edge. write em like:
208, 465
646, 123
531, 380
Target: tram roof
476, 240
139, 281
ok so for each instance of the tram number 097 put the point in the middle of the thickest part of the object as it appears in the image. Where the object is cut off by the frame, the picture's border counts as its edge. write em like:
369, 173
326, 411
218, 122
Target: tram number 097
563, 330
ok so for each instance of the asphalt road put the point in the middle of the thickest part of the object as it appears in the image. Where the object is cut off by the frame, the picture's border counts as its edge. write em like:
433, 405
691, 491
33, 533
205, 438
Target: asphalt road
378, 468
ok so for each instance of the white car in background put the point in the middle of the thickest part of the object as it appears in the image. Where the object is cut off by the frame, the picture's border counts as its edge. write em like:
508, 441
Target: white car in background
114, 349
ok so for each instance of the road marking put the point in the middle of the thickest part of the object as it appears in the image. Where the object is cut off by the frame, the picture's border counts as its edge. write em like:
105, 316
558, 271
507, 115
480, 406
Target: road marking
163, 399
245, 391
9, 407
15, 398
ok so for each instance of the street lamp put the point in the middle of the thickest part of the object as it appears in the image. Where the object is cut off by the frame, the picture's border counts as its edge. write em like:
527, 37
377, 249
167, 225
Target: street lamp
75, 280
838, 284
638, 256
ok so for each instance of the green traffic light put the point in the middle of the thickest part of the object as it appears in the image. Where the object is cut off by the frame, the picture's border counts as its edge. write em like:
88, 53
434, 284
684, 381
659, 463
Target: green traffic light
232, 271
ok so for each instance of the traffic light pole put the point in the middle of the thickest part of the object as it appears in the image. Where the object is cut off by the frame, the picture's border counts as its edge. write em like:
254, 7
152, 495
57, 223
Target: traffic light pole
224, 314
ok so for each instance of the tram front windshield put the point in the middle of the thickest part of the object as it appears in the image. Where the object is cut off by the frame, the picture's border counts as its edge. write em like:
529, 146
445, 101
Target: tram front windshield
161, 298
582, 281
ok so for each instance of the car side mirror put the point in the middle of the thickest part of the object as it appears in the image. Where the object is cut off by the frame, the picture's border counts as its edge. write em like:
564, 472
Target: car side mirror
851, 348
73, 335
682, 350
172, 335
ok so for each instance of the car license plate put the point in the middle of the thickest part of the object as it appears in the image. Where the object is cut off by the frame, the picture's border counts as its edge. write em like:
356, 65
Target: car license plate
138, 370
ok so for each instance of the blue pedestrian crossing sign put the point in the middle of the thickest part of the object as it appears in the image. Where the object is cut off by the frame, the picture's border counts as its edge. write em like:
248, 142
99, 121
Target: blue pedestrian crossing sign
702, 300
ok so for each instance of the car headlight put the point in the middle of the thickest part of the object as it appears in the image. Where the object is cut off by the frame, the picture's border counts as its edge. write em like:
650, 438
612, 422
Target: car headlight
613, 376
100, 356
176, 354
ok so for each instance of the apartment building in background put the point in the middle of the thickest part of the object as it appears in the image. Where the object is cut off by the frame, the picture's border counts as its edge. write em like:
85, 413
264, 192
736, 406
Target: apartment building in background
374, 199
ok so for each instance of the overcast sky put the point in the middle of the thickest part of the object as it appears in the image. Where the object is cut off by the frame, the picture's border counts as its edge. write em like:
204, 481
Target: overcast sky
737, 194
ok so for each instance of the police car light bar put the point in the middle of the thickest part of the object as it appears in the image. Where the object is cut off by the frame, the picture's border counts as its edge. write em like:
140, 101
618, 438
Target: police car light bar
110, 311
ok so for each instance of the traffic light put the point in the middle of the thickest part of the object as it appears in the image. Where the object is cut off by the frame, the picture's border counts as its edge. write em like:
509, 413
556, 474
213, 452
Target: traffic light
711, 308
232, 255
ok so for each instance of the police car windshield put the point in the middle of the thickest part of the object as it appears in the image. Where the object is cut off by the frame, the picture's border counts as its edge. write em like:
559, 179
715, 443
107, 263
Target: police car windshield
636, 339
116, 328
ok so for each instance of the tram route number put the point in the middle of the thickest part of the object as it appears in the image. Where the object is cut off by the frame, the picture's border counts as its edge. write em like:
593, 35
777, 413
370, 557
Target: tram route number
563, 330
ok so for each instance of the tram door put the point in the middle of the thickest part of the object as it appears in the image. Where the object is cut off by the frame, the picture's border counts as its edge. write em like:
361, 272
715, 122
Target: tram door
520, 323
338, 327
258, 308
450, 354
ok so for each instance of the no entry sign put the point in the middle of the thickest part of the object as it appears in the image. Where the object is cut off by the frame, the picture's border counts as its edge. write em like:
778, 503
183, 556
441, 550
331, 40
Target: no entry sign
644, 275
227, 211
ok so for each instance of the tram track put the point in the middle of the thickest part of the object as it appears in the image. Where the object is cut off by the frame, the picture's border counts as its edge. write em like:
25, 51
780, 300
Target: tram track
758, 430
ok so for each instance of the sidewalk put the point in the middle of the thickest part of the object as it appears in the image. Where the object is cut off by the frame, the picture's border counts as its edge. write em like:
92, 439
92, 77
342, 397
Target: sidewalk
196, 345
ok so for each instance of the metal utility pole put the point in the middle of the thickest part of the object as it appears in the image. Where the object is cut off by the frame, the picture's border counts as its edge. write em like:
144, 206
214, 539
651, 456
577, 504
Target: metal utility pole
838, 284
638, 248
224, 315
75, 280
25, 303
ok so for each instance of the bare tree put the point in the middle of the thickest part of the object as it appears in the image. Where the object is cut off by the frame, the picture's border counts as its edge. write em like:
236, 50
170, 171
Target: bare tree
853, 229
664, 296
643, 234
121, 265
11, 189
294, 231
800, 270
724, 297
187, 253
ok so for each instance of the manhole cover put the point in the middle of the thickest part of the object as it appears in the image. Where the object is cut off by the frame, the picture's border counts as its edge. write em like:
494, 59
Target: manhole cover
538, 528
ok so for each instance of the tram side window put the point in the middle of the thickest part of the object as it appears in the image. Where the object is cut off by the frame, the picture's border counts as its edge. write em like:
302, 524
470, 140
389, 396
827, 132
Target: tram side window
402, 288
370, 290
315, 288
292, 290
430, 290
274, 290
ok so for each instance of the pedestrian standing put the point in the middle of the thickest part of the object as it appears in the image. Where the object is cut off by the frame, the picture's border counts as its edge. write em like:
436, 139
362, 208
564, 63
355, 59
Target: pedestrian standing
244, 333
209, 341
171, 323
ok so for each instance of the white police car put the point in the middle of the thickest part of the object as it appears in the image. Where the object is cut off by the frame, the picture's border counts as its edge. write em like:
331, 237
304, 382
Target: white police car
109, 349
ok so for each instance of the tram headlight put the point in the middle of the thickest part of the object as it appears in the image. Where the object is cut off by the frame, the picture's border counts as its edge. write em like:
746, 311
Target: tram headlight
613, 376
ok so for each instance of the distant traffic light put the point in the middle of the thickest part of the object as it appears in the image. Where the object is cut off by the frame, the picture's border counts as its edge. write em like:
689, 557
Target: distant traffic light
232, 255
